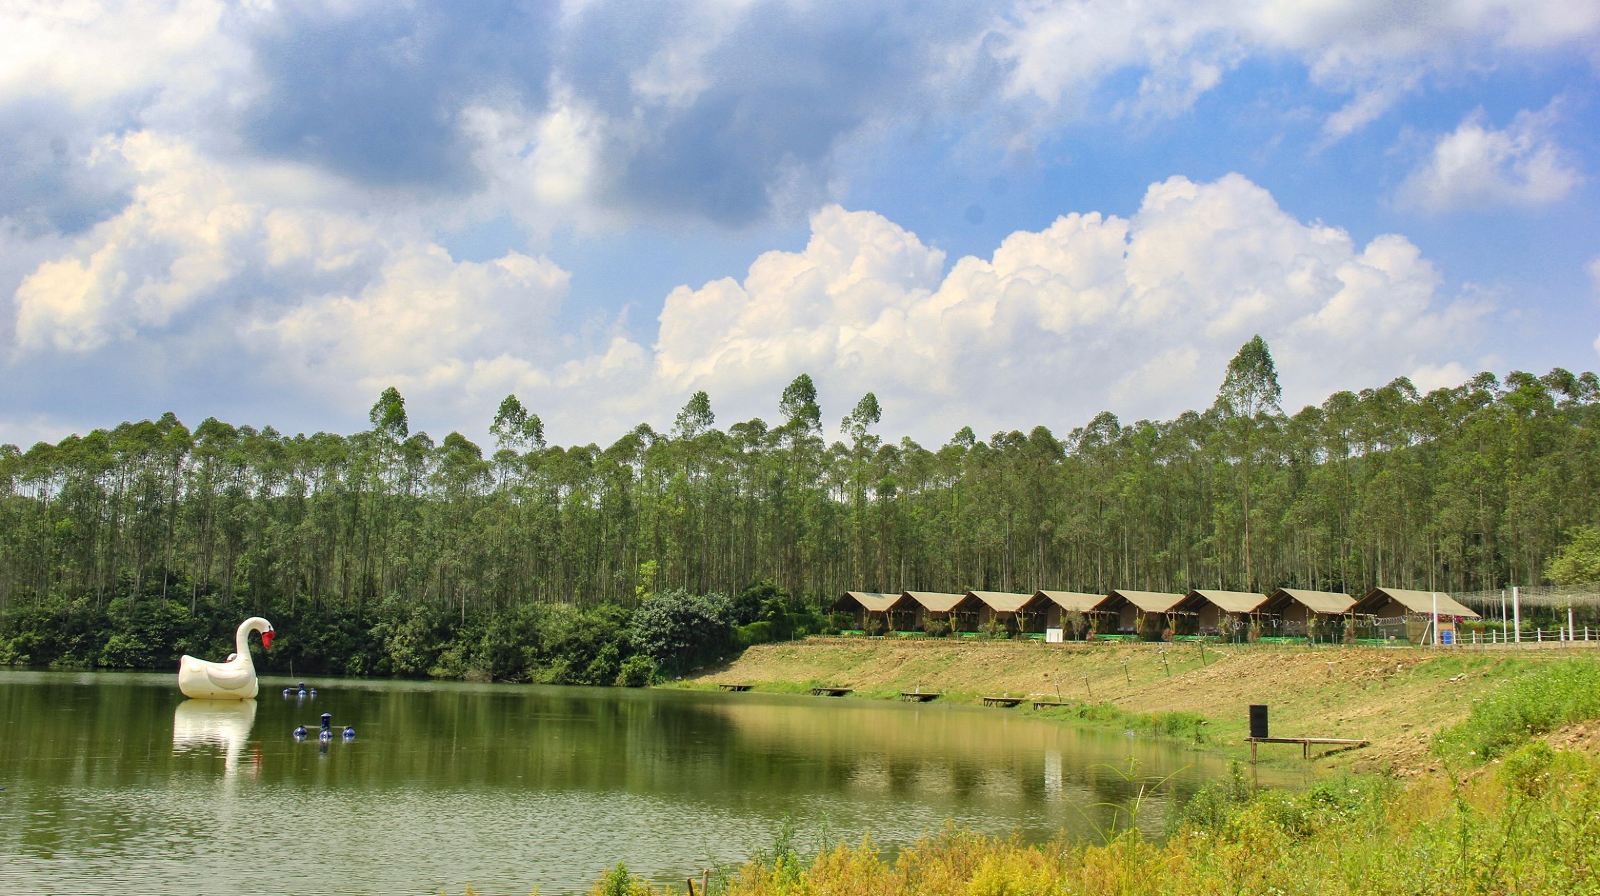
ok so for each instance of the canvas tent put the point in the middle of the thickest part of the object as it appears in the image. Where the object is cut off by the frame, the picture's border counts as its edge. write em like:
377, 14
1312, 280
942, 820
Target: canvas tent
1298, 611
919, 606
1390, 612
1393, 603
1077, 613
1005, 609
864, 606
1221, 612
1140, 612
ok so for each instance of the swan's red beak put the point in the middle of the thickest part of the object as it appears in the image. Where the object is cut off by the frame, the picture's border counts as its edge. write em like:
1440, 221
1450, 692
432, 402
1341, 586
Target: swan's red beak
266, 639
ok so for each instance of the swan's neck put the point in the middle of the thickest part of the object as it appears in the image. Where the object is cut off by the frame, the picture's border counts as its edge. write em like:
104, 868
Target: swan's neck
241, 644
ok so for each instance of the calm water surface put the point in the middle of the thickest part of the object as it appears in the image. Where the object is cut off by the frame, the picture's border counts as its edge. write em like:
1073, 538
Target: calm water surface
114, 783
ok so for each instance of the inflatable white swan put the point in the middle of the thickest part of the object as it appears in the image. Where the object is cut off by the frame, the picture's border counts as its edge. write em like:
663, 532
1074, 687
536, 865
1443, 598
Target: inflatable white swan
231, 680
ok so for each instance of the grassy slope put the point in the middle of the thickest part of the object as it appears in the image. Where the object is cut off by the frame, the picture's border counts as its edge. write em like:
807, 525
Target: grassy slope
1397, 698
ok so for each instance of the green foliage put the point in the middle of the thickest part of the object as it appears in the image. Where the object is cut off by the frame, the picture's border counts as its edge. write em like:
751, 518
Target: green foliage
1578, 563
620, 882
1534, 703
681, 631
637, 671
760, 632
412, 557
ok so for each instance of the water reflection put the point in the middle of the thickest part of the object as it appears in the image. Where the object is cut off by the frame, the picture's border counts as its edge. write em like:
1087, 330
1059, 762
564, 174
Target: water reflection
513, 788
214, 724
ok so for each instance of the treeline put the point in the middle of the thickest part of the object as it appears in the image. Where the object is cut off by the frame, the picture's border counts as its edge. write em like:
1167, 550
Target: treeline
1461, 488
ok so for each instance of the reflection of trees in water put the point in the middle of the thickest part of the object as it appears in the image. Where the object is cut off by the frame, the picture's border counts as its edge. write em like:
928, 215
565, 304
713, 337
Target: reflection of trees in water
747, 751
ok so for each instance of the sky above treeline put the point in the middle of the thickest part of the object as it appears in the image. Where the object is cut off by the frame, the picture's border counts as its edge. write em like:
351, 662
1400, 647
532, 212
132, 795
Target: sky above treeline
991, 214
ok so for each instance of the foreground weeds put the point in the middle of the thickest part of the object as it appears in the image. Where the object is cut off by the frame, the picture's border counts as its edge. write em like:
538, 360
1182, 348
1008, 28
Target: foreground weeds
1529, 705
1528, 825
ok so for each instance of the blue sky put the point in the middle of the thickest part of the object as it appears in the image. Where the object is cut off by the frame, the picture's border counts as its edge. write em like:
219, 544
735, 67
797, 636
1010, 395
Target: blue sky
997, 215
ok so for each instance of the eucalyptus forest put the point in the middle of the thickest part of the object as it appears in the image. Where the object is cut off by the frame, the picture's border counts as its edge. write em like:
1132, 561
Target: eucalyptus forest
504, 553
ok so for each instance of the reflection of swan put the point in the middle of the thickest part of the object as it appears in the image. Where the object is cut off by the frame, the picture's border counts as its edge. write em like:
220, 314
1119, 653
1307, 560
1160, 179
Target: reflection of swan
231, 680
198, 724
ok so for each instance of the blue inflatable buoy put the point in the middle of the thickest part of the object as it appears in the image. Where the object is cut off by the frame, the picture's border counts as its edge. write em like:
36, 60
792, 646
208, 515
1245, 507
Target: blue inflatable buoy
287, 692
349, 733
300, 732
313, 692
302, 693
325, 735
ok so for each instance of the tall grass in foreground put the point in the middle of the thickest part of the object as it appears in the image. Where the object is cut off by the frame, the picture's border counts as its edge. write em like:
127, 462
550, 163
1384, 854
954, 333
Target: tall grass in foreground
1532, 825
1532, 704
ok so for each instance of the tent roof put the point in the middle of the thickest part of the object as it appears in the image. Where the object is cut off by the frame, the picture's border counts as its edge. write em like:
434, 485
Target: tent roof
1074, 601
1417, 601
874, 601
937, 601
1332, 603
1002, 601
1227, 601
1148, 601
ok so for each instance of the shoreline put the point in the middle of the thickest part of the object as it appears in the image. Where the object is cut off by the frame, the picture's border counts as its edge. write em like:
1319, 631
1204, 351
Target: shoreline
1397, 698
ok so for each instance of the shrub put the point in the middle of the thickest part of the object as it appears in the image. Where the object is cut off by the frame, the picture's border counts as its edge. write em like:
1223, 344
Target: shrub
754, 633
637, 671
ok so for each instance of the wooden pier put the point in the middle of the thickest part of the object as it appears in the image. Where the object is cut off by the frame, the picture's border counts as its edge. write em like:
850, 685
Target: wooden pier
1044, 702
1002, 701
919, 696
1305, 743
734, 687
830, 692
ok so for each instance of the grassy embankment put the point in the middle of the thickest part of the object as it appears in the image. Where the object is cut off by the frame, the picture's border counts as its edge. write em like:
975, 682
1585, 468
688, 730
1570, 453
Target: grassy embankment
1396, 698
1505, 813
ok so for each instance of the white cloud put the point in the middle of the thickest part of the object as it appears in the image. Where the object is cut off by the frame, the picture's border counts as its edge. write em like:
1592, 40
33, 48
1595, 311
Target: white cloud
91, 52
1476, 166
1375, 53
1140, 313
424, 321
192, 227
224, 261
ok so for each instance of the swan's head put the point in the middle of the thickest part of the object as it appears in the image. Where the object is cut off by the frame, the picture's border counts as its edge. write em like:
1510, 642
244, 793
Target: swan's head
257, 624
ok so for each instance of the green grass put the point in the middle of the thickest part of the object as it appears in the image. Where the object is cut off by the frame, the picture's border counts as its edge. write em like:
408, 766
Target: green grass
1535, 702
1184, 725
1530, 827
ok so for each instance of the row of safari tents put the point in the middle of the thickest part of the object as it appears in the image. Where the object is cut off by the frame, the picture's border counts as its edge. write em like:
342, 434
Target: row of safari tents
1076, 615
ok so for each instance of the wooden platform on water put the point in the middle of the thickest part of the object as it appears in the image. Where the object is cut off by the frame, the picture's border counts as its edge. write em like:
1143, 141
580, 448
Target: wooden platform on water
1044, 702
734, 687
830, 692
1002, 701
920, 696
1305, 743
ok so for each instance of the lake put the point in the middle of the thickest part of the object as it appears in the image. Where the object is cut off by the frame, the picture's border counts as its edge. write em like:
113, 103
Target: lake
114, 783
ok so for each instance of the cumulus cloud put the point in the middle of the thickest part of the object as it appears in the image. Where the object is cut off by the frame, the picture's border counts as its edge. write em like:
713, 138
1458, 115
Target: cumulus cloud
731, 112
1476, 166
218, 262
1060, 54
1138, 313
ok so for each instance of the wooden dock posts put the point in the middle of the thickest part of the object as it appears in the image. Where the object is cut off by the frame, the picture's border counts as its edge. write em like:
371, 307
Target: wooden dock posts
823, 691
1260, 735
1002, 701
920, 696
734, 687
1305, 743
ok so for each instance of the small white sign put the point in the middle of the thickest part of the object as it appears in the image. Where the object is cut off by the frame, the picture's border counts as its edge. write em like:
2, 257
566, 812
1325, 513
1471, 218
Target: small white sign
1054, 635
